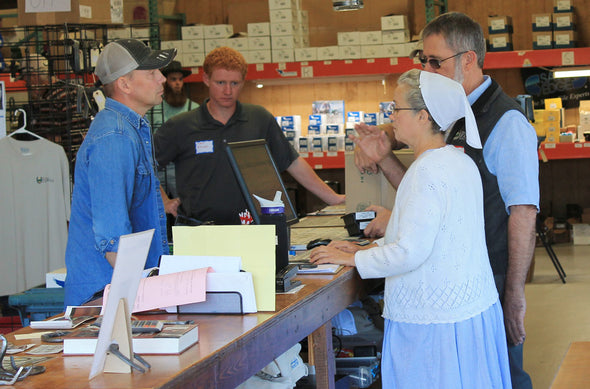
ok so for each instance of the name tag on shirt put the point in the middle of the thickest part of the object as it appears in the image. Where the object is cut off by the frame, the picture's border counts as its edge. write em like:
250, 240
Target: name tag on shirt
204, 147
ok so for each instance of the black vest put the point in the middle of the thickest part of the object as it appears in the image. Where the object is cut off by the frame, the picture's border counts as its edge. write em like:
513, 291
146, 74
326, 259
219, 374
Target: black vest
488, 109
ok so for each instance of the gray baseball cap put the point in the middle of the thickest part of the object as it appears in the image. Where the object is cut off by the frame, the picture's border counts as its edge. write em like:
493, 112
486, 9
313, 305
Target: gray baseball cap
125, 55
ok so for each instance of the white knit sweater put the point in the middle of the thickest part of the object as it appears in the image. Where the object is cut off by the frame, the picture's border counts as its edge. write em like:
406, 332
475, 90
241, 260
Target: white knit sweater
434, 255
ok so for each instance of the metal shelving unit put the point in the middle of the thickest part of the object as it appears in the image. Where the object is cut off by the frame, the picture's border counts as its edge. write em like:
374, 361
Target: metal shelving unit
60, 82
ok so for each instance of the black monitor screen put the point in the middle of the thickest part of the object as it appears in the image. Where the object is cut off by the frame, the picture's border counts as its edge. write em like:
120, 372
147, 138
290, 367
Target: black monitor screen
257, 174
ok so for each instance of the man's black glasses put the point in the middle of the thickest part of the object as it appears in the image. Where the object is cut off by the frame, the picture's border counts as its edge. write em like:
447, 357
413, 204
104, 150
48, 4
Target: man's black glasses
434, 62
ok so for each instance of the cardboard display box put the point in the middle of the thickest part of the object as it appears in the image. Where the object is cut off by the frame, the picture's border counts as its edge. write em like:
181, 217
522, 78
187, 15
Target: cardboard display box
364, 189
82, 11
500, 24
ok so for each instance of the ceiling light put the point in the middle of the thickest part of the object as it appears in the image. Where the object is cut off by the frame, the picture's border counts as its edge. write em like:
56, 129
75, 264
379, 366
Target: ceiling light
259, 85
571, 72
347, 5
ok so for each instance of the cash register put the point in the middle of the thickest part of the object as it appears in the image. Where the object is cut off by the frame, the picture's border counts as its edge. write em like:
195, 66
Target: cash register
258, 176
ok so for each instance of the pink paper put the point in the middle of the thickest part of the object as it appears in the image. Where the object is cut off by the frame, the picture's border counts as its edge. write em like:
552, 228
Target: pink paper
185, 287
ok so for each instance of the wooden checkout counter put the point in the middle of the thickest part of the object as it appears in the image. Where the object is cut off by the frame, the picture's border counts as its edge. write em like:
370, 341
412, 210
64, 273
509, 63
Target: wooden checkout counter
231, 348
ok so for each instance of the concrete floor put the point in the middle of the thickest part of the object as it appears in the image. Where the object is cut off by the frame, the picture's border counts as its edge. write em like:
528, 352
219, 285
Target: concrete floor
557, 313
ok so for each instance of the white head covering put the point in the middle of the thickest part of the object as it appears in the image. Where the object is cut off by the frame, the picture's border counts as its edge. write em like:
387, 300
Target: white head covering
446, 102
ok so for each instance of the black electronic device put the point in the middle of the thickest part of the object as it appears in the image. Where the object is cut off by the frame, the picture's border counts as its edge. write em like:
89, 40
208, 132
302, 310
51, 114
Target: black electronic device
318, 242
257, 174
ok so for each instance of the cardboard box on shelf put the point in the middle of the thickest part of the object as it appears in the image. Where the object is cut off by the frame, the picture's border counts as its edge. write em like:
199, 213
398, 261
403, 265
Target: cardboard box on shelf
564, 39
500, 42
395, 36
350, 52
193, 32
303, 54
542, 22
327, 53
8, 17
542, 40
499, 24
259, 29
394, 22
346, 38
564, 21
79, 11
218, 31
563, 6
259, 56
371, 37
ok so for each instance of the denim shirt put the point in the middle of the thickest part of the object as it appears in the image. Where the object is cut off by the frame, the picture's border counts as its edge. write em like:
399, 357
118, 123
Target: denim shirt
116, 192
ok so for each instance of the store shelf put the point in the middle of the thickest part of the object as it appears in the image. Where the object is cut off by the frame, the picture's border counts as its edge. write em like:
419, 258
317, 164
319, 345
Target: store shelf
536, 58
383, 66
11, 85
324, 160
343, 70
552, 151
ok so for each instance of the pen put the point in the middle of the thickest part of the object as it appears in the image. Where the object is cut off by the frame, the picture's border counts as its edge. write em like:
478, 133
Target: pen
178, 323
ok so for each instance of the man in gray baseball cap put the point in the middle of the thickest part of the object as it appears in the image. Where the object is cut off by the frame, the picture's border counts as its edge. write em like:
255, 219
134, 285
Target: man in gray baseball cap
116, 189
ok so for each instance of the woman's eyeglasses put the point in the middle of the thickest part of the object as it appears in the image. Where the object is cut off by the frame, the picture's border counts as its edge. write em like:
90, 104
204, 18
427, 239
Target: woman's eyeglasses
434, 62
393, 108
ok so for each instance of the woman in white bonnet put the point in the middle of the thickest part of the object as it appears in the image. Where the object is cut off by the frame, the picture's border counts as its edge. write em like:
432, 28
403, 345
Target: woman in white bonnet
443, 320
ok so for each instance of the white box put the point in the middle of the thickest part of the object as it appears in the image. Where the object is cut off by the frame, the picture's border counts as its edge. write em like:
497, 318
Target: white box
165, 45
373, 51
327, 53
397, 50
281, 42
284, 55
286, 28
259, 29
317, 119
291, 122
211, 44
350, 52
119, 33
240, 44
371, 37
56, 278
581, 232
283, 4
349, 38
140, 33
395, 36
306, 54
193, 59
282, 15
355, 116
259, 43
394, 22
193, 46
192, 32
301, 40
216, 31
259, 56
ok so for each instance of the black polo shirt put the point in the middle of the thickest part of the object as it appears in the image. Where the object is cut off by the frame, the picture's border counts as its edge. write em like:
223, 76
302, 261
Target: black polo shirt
194, 142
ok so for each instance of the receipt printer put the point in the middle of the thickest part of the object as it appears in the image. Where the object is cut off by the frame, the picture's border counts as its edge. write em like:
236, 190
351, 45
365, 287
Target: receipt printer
355, 222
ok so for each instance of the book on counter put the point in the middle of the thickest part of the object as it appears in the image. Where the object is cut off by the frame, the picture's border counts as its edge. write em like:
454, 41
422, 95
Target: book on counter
172, 339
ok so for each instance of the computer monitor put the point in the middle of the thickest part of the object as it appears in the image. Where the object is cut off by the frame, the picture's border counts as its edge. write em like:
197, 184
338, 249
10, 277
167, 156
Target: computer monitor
257, 174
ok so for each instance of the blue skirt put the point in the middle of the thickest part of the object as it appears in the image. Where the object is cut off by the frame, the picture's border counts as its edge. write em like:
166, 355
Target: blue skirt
468, 354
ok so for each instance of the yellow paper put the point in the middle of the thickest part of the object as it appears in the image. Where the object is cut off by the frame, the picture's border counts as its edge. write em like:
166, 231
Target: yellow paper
254, 243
